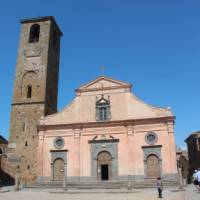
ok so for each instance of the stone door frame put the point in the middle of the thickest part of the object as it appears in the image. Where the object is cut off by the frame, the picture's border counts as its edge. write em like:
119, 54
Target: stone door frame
111, 146
152, 150
58, 154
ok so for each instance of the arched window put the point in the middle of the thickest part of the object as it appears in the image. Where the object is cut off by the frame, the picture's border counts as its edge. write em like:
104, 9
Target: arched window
34, 33
29, 84
29, 91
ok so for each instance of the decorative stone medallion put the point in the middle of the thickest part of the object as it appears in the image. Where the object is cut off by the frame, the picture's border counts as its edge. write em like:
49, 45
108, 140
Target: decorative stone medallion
151, 138
59, 143
33, 63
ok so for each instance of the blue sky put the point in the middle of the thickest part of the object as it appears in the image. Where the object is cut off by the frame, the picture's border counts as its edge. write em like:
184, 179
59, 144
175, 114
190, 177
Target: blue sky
155, 45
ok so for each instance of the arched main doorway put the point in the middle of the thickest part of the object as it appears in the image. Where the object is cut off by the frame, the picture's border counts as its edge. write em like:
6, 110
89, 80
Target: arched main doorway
153, 168
58, 169
104, 166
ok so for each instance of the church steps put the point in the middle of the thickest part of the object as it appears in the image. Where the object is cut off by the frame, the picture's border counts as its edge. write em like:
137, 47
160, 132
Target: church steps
108, 185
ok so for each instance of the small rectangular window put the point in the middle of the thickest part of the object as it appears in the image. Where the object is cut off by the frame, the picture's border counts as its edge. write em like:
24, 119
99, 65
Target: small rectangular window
103, 109
29, 91
103, 113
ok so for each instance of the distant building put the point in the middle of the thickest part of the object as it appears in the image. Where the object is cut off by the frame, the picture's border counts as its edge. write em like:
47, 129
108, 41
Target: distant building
3, 149
183, 162
193, 145
3, 145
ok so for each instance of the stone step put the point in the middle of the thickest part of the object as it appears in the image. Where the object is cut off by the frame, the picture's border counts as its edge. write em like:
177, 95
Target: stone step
103, 185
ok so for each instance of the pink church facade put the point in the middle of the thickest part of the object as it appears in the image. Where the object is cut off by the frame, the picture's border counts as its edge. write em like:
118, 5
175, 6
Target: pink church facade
107, 133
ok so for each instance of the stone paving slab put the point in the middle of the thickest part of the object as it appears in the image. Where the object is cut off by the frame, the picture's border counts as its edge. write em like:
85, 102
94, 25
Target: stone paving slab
150, 194
189, 193
104, 196
192, 193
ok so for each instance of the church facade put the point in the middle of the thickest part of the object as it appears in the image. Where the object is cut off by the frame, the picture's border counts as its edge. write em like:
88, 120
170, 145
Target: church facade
107, 133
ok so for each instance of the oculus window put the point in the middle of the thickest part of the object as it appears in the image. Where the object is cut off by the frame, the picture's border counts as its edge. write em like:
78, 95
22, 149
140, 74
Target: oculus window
59, 143
151, 138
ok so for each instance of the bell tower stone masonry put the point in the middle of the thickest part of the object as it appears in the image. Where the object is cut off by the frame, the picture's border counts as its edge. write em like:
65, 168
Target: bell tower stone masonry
35, 92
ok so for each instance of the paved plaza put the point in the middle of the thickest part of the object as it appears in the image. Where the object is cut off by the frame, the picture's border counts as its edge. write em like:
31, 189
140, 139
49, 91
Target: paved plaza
189, 193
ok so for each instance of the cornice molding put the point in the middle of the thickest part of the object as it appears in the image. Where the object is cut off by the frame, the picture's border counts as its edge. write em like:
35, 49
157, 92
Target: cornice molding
44, 127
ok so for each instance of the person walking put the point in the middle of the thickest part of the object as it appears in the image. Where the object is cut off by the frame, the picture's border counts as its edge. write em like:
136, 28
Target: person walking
159, 186
195, 180
198, 178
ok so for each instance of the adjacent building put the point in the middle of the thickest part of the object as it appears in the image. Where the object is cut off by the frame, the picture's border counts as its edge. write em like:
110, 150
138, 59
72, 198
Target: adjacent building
183, 163
3, 151
193, 145
3, 145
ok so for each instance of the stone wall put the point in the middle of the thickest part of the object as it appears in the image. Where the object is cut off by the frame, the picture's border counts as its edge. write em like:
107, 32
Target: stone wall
35, 94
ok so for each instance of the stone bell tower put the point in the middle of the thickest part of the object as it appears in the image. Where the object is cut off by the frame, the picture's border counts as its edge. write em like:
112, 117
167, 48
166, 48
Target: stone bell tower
35, 92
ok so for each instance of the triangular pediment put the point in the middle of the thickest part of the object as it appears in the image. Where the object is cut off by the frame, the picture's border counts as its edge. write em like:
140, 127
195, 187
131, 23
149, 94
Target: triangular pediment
103, 83
102, 100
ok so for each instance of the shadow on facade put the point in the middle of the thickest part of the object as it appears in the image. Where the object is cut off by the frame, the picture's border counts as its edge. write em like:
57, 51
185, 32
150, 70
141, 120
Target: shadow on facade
5, 179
